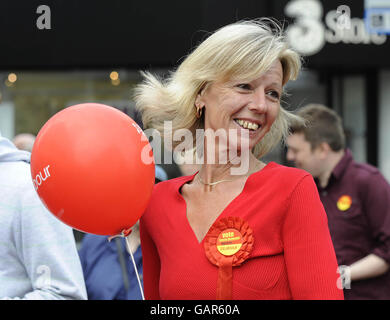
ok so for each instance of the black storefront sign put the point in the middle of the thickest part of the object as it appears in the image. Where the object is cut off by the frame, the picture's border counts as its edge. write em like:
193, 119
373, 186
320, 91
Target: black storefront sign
333, 34
137, 34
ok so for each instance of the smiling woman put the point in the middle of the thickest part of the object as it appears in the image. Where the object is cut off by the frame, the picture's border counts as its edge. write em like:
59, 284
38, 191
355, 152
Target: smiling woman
234, 106
218, 234
238, 53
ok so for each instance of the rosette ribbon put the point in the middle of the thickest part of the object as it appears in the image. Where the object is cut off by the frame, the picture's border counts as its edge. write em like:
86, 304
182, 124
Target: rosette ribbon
228, 244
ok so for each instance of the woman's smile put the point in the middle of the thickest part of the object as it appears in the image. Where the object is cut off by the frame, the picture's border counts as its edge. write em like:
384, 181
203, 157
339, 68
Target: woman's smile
249, 127
248, 124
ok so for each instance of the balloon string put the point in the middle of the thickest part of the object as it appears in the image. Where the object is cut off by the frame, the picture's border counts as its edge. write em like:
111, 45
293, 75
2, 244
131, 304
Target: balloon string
135, 267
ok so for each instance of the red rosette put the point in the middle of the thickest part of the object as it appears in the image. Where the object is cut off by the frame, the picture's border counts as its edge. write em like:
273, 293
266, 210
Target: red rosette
228, 244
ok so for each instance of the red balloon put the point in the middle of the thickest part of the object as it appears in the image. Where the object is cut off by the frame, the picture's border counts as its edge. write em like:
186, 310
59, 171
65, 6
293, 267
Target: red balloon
93, 168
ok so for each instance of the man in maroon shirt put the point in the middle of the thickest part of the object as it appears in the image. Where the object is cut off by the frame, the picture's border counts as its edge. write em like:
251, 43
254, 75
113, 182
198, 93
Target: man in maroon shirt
356, 198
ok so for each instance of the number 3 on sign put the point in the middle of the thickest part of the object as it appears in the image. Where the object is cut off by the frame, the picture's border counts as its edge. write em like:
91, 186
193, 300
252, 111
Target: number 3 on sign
307, 33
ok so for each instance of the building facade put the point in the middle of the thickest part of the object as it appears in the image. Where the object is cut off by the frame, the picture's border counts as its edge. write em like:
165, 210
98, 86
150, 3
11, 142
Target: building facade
66, 55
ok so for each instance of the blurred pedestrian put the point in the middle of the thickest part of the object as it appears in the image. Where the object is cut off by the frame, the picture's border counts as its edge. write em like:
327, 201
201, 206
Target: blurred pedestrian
356, 198
24, 141
108, 271
38, 255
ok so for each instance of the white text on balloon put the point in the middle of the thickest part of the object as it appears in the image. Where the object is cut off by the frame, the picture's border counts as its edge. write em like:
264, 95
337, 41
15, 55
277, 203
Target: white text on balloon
39, 179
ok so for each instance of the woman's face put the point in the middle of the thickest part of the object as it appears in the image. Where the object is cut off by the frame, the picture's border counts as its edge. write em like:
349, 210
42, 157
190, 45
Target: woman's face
249, 109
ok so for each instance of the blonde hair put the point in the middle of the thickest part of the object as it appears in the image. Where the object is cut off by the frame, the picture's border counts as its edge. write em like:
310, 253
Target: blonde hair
241, 50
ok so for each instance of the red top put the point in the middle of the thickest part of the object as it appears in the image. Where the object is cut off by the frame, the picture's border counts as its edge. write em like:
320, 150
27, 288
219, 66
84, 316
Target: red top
292, 256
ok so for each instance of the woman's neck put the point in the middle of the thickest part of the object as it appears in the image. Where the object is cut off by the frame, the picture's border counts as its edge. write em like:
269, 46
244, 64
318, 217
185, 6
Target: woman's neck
212, 172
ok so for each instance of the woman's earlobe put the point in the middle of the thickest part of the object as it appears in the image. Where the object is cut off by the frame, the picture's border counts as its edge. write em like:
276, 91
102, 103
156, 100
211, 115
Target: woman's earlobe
198, 105
199, 101
199, 111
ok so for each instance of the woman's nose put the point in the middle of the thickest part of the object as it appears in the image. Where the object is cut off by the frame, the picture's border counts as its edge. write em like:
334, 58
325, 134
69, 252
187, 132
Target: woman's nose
258, 103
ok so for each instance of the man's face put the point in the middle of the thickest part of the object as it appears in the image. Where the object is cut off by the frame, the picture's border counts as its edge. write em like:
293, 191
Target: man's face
300, 152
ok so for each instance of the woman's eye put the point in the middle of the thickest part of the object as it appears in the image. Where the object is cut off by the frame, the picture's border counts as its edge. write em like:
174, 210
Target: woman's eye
245, 86
274, 94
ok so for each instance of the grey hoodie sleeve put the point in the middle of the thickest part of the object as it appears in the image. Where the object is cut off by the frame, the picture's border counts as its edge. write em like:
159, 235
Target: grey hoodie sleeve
45, 248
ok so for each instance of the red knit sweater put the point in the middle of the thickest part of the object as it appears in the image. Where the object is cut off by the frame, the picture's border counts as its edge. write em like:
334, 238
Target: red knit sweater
292, 257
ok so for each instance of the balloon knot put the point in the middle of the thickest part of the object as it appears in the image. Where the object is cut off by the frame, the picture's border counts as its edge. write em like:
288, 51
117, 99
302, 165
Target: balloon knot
125, 233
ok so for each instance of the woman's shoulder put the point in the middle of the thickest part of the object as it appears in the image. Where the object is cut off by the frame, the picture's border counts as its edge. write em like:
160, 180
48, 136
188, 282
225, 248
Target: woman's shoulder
165, 197
285, 172
278, 178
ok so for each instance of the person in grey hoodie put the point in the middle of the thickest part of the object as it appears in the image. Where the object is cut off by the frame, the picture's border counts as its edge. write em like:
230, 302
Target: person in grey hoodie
38, 254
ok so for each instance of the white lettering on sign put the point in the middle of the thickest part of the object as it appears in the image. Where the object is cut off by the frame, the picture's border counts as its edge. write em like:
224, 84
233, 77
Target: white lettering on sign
40, 178
308, 34
356, 34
